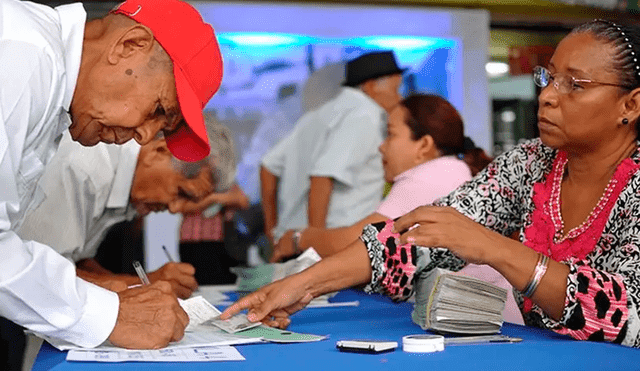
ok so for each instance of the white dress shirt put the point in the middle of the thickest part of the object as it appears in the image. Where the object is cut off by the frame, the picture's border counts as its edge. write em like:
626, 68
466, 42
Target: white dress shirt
102, 174
40, 51
339, 140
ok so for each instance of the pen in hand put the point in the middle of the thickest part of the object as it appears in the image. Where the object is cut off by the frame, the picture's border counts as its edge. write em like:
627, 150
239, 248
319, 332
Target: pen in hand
166, 252
141, 273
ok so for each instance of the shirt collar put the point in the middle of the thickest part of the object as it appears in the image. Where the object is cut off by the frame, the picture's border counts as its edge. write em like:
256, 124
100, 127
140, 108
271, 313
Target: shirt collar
72, 23
125, 166
438, 161
357, 93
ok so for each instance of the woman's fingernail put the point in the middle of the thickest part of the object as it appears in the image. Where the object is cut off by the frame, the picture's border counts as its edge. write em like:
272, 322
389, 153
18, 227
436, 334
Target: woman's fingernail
411, 240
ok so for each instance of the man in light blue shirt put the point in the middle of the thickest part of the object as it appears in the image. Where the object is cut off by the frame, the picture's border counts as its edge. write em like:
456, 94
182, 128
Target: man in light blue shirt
328, 172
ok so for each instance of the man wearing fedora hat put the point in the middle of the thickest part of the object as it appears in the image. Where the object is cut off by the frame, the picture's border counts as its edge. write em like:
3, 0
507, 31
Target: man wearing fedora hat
328, 172
147, 66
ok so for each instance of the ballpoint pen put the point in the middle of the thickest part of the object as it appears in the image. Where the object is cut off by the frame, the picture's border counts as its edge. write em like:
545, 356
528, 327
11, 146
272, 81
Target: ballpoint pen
481, 339
141, 273
166, 252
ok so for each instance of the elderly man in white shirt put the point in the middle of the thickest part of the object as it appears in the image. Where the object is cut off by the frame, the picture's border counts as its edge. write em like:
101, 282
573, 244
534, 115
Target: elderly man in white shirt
328, 172
106, 80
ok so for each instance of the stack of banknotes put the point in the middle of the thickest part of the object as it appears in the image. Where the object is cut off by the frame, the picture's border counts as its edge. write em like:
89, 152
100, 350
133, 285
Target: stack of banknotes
449, 302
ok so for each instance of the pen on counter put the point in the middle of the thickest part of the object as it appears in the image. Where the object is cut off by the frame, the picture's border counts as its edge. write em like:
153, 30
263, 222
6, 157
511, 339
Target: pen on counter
481, 339
141, 273
166, 252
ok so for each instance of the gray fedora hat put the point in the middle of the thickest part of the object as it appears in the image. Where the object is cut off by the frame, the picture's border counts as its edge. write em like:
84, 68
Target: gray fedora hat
370, 66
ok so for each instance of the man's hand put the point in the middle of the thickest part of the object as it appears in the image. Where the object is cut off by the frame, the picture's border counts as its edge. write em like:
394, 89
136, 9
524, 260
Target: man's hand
273, 303
149, 318
283, 248
179, 275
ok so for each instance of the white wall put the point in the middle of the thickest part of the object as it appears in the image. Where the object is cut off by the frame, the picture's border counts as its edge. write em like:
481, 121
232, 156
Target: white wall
160, 229
469, 26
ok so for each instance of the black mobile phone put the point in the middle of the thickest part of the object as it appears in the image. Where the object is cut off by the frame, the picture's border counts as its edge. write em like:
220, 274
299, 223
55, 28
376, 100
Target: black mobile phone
366, 346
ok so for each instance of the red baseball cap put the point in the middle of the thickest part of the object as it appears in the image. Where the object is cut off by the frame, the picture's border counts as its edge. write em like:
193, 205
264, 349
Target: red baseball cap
197, 65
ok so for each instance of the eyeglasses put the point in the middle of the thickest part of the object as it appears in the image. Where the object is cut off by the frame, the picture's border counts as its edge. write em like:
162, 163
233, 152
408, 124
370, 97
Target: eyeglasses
563, 83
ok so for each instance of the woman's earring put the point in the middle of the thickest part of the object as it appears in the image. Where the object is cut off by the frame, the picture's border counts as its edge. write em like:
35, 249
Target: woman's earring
625, 121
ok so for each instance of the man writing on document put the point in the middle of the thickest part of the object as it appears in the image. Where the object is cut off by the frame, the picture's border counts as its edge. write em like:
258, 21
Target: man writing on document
118, 183
149, 65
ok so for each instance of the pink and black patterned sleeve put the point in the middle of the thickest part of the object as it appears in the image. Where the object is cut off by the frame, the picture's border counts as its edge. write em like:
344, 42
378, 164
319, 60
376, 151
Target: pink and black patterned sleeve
596, 306
395, 266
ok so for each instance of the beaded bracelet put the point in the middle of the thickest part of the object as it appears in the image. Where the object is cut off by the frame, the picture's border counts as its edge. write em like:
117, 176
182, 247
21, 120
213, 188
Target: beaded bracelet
538, 273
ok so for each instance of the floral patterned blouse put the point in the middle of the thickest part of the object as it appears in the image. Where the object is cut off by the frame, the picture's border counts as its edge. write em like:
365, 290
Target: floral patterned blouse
519, 191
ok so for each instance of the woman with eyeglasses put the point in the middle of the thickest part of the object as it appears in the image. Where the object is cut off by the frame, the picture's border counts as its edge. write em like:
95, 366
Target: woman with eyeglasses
573, 195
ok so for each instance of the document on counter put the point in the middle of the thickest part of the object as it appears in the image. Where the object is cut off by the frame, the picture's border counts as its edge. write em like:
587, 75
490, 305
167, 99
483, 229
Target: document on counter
275, 335
196, 335
201, 354
199, 310
200, 337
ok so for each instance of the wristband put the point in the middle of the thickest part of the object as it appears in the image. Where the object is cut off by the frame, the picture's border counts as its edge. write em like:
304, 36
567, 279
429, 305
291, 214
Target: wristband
295, 238
538, 273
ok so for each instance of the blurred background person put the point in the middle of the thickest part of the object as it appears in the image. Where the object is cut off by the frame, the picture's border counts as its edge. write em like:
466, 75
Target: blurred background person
247, 229
208, 234
119, 183
321, 86
328, 171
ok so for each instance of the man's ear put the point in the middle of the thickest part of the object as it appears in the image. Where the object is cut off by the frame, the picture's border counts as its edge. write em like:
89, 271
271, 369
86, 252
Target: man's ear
368, 87
154, 152
132, 40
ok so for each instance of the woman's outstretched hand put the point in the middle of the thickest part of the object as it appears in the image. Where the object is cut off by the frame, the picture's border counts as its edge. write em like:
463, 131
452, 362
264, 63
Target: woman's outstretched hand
274, 303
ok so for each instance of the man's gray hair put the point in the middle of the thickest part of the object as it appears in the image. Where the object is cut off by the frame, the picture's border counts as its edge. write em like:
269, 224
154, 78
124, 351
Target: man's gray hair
221, 159
378, 80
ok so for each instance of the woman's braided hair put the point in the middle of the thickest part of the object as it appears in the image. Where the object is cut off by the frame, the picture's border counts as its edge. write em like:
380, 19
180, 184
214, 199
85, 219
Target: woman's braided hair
626, 42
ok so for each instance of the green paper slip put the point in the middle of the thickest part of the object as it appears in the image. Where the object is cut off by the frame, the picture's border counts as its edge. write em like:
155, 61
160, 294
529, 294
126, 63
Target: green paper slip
275, 335
251, 279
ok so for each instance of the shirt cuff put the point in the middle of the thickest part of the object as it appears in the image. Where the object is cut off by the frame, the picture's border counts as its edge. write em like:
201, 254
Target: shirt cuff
375, 249
98, 319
